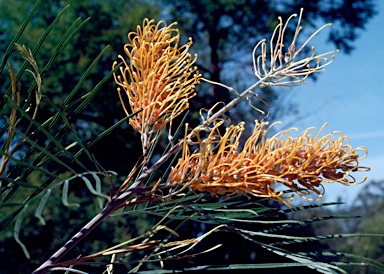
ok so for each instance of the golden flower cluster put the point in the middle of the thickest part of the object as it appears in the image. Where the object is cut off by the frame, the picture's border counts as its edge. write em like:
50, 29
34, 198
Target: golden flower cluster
263, 164
158, 77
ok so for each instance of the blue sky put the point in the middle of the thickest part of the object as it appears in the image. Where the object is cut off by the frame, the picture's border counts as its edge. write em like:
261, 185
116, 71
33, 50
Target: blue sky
350, 97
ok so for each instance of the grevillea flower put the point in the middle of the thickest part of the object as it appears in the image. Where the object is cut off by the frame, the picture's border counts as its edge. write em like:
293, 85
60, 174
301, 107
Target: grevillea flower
262, 165
286, 68
158, 77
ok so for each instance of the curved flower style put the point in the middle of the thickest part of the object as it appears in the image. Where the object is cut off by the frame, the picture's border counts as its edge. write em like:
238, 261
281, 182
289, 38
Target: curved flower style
301, 163
286, 69
158, 77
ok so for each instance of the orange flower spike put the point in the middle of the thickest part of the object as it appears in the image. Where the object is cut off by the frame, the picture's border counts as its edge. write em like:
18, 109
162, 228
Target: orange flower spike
159, 77
300, 163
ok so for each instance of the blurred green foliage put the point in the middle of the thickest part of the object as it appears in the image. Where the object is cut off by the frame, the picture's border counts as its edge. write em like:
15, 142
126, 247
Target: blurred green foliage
108, 25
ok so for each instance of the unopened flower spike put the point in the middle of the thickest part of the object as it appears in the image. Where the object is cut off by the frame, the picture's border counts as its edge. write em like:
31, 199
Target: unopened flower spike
158, 78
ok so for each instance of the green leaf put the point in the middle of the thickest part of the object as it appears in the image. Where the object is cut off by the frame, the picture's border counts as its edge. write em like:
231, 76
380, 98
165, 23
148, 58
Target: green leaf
18, 34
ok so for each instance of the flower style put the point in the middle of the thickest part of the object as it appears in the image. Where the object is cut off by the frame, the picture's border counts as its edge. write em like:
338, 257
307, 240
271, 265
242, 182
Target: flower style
301, 164
283, 69
158, 77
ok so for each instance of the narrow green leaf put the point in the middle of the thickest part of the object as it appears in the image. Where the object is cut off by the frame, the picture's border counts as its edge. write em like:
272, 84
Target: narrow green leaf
39, 210
98, 189
91, 189
328, 237
28, 165
16, 231
199, 269
64, 196
52, 138
35, 50
44, 151
18, 34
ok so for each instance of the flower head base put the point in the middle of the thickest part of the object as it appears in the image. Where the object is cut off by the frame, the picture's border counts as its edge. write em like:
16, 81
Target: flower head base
285, 68
301, 164
158, 77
